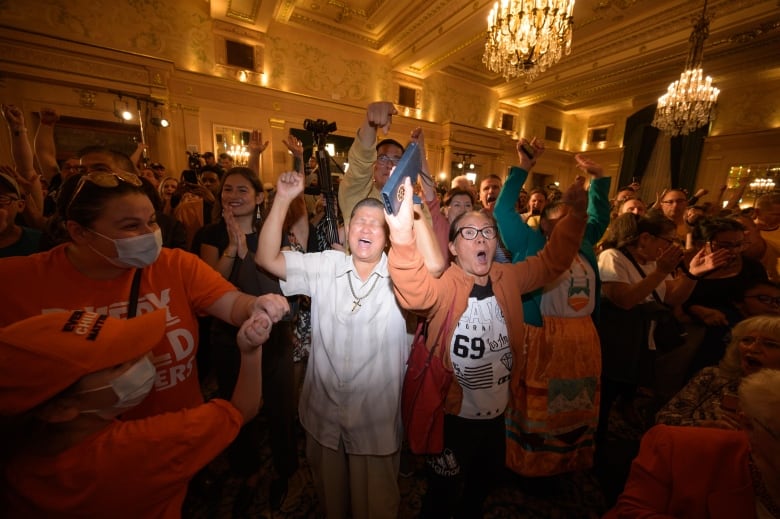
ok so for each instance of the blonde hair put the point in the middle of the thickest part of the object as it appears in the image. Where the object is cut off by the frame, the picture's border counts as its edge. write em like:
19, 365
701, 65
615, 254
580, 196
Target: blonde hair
759, 397
766, 325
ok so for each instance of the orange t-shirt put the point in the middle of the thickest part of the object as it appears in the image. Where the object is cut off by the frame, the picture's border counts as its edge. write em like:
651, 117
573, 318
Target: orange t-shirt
178, 281
133, 469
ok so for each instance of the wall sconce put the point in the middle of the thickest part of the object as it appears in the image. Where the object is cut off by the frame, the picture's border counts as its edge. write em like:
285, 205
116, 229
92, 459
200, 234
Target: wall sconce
158, 119
121, 110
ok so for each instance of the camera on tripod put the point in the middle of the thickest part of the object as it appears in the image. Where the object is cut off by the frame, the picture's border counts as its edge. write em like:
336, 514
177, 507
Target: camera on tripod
319, 126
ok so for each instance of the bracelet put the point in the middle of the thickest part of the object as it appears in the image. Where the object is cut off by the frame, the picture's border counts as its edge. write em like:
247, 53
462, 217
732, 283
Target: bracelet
691, 276
18, 131
226, 255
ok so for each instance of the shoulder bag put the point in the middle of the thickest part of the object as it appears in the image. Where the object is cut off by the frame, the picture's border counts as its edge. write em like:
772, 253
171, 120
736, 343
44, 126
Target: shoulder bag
425, 387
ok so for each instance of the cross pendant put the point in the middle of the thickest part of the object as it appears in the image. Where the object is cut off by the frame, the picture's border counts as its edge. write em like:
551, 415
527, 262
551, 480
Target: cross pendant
355, 304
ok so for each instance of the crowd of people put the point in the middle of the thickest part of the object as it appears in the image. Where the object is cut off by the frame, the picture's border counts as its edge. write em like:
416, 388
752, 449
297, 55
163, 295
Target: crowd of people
558, 310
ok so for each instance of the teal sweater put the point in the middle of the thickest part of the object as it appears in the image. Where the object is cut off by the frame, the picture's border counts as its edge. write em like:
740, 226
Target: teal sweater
523, 241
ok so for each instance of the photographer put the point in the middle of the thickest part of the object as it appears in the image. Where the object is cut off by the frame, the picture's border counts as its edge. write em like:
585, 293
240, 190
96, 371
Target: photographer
194, 199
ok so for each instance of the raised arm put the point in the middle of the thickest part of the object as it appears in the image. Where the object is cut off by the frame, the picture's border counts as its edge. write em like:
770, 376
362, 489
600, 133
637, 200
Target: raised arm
45, 150
256, 147
23, 156
564, 243
269, 254
428, 235
357, 182
515, 233
598, 199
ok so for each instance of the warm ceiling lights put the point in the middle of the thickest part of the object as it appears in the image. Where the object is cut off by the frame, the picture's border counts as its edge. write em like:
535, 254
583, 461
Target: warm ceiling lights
122, 111
688, 102
526, 37
158, 119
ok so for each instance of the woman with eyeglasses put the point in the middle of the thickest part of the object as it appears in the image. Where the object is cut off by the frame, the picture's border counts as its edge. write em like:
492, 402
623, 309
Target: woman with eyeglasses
709, 398
114, 263
707, 473
639, 270
713, 300
484, 344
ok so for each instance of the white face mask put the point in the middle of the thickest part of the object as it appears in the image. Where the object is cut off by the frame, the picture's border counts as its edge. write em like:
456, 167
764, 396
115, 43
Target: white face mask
138, 251
131, 387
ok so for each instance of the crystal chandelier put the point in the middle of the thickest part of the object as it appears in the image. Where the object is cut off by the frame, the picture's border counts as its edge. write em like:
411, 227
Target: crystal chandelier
525, 37
688, 102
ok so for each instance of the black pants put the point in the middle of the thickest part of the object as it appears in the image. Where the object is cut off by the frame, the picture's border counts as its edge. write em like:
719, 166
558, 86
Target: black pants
460, 479
278, 399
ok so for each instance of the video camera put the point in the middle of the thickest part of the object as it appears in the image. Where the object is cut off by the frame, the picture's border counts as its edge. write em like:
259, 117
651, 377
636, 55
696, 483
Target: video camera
319, 126
193, 160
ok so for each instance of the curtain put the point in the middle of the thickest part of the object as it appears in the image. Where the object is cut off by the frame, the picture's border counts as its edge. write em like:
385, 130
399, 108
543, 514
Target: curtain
638, 143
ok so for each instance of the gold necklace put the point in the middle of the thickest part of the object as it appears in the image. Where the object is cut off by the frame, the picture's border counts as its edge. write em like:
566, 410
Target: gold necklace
356, 302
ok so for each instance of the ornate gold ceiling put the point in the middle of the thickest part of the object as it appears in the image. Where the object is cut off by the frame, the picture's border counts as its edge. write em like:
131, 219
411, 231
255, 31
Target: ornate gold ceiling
624, 51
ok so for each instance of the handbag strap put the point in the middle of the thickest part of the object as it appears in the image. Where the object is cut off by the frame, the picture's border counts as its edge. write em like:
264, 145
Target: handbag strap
445, 324
641, 272
132, 304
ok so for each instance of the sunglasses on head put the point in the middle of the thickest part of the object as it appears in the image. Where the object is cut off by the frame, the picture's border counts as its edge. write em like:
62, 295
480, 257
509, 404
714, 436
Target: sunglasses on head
105, 178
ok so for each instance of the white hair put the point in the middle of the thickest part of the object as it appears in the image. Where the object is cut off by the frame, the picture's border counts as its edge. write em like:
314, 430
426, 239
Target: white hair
456, 182
759, 397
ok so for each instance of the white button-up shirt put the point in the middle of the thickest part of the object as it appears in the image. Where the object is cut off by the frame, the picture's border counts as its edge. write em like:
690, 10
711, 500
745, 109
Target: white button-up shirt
352, 388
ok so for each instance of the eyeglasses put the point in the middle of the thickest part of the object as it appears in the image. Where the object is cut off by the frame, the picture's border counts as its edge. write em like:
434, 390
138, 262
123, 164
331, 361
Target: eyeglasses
769, 343
675, 201
103, 178
384, 160
7, 200
470, 233
767, 300
715, 245
670, 241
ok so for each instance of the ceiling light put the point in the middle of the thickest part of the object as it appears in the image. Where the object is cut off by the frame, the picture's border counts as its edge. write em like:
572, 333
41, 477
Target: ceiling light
526, 37
122, 111
688, 102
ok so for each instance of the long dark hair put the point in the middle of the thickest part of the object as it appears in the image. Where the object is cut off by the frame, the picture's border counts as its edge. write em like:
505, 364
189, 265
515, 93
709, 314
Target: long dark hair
254, 180
627, 228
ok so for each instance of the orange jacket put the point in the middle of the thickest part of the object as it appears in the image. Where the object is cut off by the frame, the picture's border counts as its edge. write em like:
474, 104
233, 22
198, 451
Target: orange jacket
418, 291
689, 473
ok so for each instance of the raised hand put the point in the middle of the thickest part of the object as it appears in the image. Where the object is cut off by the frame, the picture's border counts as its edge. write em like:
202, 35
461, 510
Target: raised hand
289, 185
49, 116
380, 115
669, 258
14, 116
256, 143
294, 145
418, 137
577, 198
401, 224
702, 263
585, 164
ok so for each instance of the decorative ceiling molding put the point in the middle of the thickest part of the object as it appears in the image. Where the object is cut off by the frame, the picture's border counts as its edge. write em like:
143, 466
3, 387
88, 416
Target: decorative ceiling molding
243, 10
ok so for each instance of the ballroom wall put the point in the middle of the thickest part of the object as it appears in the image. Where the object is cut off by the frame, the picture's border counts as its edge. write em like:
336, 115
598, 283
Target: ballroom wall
70, 53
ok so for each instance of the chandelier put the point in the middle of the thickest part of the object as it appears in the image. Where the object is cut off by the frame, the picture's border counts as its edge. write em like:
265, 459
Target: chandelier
688, 102
525, 37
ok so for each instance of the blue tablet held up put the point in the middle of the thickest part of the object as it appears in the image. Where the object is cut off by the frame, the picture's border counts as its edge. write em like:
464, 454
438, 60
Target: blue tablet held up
408, 166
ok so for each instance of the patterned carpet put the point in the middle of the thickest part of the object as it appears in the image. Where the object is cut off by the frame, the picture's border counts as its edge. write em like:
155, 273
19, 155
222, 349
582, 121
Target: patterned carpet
573, 496
217, 493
